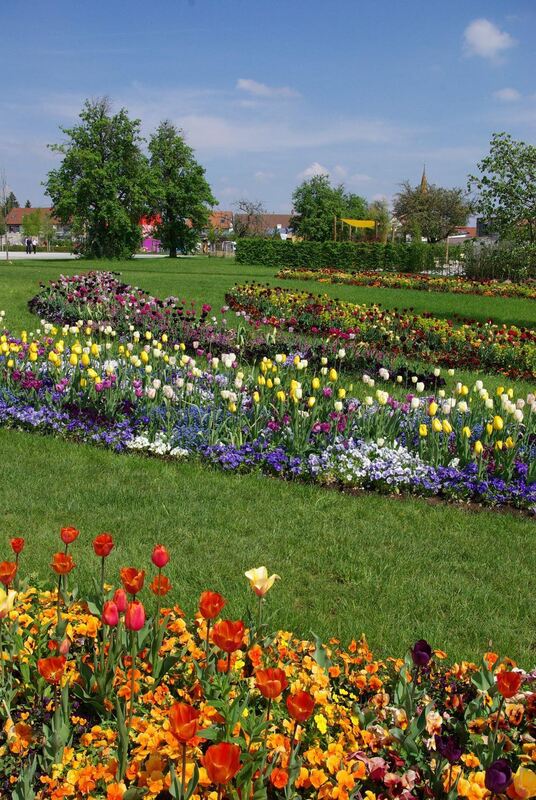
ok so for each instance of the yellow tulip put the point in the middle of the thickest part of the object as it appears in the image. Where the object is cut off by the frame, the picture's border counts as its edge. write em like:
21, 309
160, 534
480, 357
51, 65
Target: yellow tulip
73, 359
466, 432
269, 383
509, 443
432, 409
478, 447
315, 383
259, 580
499, 444
423, 430
342, 394
85, 359
333, 375
10, 363
261, 380
498, 423
7, 599
311, 401
524, 781
281, 396
447, 427
500, 390
256, 397
489, 428
437, 427
144, 357
33, 356
232, 407
95, 349
464, 390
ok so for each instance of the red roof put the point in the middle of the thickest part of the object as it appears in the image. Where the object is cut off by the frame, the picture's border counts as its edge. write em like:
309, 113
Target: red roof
16, 215
221, 219
268, 222
468, 230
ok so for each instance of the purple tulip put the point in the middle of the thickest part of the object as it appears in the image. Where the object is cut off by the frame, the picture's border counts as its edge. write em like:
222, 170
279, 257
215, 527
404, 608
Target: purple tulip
498, 776
448, 747
421, 653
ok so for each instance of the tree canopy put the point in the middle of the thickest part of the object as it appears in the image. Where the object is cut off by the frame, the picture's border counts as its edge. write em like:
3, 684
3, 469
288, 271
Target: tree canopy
431, 211
248, 220
182, 195
506, 187
103, 184
317, 203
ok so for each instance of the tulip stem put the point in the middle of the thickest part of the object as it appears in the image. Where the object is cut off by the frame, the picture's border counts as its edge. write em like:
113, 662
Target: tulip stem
259, 623
1, 652
158, 599
228, 662
58, 609
496, 727
102, 576
132, 675
183, 787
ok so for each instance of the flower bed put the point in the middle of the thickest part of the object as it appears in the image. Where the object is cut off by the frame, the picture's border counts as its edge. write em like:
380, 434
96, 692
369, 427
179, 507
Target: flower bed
281, 416
102, 700
427, 283
103, 301
479, 346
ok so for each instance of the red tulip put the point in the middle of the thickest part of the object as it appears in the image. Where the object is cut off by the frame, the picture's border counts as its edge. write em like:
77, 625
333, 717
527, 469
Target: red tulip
132, 579
17, 545
62, 563
160, 556
300, 706
222, 762
508, 683
121, 600
110, 613
183, 721
52, 668
210, 604
103, 545
8, 570
228, 635
68, 535
135, 616
160, 586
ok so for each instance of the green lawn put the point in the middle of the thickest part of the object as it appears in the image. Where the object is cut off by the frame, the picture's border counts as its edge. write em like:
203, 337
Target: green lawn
395, 569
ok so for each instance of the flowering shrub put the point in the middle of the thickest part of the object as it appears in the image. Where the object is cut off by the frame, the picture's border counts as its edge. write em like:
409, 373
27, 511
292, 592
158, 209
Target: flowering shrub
480, 346
282, 415
101, 699
427, 283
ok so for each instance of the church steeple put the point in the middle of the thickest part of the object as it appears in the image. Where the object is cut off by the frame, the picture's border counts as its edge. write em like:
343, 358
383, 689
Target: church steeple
424, 181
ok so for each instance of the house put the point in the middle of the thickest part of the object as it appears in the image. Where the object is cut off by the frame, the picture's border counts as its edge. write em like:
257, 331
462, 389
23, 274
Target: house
265, 224
462, 234
221, 221
14, 222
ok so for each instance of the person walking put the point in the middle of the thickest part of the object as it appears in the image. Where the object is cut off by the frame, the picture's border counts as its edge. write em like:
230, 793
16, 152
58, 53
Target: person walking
34, 246
28, 243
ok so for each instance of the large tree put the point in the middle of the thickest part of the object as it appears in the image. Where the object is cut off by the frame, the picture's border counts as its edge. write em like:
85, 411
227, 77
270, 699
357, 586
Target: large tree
103, 184
183, 197
317, 204
431, 211
31, 223
506, 187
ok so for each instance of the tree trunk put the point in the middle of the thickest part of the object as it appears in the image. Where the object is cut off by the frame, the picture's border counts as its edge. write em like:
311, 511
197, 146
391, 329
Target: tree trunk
173, 252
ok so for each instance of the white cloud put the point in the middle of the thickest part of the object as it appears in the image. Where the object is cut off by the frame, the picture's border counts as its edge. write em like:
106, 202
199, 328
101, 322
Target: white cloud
507, 95
263, 90
312, 171
359, 177
263, 176
483, 38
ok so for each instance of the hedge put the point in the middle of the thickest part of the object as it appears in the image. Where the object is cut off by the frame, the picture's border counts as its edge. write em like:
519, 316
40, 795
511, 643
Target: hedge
410, 257
501, 261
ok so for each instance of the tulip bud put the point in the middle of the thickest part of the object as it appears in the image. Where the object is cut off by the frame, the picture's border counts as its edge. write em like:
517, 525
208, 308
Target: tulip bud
120, 600
160, 556
110, 614
135, 616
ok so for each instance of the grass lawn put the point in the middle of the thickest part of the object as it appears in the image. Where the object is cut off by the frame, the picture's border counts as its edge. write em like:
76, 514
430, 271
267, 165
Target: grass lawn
397, 570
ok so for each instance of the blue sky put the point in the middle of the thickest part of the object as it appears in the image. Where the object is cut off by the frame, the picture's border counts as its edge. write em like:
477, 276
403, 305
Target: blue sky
270, 92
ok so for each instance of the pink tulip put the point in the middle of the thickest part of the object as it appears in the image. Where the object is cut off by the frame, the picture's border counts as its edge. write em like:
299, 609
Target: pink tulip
135, 616
120, 599
110, 613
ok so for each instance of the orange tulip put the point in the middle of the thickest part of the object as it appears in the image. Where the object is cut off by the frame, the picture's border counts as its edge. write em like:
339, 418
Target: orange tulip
17, 544
222, 762
68, 535
508, 683
8, 570
210, 604
121, 601
228, 635
103, 545
279, 778
271, 682
62, 563
300, 706
132, 579
52, 668
183, 721
160, 586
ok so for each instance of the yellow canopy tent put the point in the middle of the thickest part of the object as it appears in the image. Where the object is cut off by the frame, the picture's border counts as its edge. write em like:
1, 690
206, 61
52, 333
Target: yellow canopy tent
360, 223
